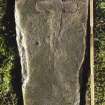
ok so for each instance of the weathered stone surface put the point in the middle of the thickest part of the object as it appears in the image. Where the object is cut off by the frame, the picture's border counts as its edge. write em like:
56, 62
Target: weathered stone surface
51, 40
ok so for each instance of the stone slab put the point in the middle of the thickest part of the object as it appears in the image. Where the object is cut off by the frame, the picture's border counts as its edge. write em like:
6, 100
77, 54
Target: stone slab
51, 41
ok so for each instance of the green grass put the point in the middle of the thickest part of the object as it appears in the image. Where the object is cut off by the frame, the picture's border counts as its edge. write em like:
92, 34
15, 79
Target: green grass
100, 53
99, 69
7, 57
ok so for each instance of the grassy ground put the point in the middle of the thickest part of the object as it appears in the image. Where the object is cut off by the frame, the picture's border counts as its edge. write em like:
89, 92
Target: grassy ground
8, 58
7, 95
100, 53
99, 41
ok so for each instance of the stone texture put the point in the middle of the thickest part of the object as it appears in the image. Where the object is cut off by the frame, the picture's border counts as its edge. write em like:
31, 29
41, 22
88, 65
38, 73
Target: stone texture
51, 41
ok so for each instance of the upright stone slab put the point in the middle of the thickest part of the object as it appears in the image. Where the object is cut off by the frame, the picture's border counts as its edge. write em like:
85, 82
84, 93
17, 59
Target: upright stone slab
51, 40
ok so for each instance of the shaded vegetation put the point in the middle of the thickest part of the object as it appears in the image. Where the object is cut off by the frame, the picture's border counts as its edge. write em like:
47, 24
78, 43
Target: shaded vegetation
100, 53
10, 78
99, 41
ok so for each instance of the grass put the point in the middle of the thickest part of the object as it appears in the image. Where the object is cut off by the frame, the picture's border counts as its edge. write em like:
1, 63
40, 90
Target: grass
7, 57
99, 41
100, 53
